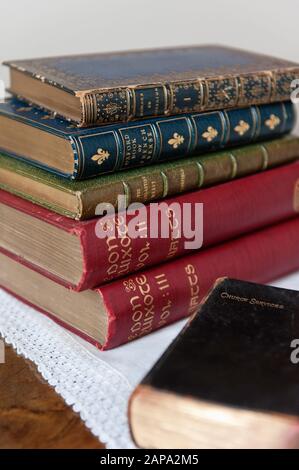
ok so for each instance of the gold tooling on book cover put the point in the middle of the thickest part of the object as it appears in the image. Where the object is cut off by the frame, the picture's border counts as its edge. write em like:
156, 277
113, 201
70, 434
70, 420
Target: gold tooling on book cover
234, 165
176, 140
89, 98
165, 183
210, 134
265, 157
101, 156
201, 174
272, 122
242, 127
81, 86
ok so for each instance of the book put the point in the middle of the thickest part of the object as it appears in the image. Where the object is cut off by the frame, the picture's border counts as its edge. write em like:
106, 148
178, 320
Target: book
81, 255
228, 380
57, 146
121, 86
131, 307
79, 199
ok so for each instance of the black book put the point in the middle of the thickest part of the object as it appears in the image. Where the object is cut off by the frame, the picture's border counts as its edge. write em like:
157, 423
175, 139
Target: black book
231, 377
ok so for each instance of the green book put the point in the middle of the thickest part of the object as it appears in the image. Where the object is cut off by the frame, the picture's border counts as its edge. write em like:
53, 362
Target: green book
78, 199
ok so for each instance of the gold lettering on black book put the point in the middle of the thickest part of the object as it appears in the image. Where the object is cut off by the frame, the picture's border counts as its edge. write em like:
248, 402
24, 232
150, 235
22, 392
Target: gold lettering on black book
252, 301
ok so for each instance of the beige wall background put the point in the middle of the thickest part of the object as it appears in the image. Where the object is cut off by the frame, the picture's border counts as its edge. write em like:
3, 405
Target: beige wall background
32, 28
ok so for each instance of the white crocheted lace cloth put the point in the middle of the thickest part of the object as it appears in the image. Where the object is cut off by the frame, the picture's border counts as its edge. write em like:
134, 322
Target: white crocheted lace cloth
96, 384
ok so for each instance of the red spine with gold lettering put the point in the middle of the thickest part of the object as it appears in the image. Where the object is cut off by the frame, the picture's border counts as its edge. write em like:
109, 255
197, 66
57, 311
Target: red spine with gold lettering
229, 210
146, 301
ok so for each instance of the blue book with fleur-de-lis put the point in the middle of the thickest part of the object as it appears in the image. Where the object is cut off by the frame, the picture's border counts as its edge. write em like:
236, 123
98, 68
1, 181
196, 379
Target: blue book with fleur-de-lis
34, 135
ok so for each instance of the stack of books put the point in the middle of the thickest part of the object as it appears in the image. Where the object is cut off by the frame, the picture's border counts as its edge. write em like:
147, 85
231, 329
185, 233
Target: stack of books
83, 138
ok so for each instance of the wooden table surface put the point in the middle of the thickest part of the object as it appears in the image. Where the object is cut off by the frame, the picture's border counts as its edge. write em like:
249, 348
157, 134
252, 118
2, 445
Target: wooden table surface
32, 415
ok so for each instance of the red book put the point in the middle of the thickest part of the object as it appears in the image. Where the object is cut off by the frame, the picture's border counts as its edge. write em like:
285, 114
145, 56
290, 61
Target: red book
143, 302
229, 210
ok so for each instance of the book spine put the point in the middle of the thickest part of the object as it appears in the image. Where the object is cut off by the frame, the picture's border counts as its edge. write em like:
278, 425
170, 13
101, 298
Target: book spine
158, 140
167, 293
273, 195
170, 179
185, 96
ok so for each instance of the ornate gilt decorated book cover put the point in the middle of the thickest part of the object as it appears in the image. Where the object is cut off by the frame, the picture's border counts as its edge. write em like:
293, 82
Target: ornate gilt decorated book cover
123, 86
77, 153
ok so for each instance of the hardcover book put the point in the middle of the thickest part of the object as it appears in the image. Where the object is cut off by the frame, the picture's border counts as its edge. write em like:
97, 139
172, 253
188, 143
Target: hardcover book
79, 199
157, 296
56, 145
81, 255
122, 86
230, 379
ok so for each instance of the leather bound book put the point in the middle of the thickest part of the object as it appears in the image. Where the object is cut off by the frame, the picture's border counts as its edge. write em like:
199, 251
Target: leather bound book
56, 145
230, 379
82, 254
79, 199
136, 305
122, 86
